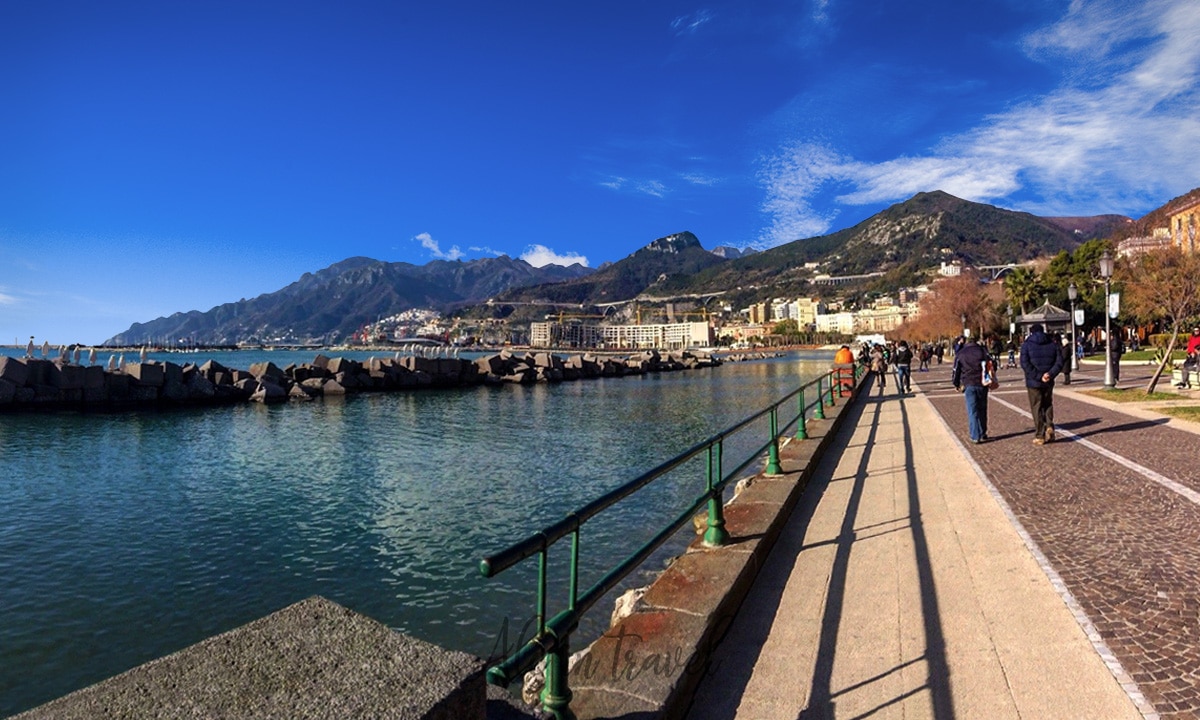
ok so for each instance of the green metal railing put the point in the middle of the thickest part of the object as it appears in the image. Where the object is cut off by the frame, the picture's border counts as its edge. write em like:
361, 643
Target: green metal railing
552, 639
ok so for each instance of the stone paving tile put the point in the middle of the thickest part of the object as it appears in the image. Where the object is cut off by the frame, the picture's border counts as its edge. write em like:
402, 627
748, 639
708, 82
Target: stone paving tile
1127, 548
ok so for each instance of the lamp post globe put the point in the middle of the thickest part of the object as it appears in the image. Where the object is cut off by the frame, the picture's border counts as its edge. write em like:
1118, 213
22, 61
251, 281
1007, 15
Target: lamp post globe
1106, 271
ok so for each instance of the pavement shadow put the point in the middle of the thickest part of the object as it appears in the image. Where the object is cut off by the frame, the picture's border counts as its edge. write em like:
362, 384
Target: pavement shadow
1124, 427
730, 670
823, 700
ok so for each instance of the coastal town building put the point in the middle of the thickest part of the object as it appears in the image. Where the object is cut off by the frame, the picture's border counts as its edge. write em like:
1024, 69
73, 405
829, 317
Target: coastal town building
666, 336
840, 322
883, 318
1141, 244
759, 314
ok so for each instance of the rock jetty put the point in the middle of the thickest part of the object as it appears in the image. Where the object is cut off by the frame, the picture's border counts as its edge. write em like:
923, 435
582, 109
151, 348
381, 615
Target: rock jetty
40, 384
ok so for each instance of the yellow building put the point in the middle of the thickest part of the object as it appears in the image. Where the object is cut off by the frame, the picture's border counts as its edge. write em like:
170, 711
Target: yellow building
1183, 226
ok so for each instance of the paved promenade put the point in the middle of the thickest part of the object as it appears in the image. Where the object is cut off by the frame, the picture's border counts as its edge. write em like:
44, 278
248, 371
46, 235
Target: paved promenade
926, 577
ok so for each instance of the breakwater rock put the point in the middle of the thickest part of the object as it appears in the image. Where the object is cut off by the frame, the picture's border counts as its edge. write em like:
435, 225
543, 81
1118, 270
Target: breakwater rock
40, 384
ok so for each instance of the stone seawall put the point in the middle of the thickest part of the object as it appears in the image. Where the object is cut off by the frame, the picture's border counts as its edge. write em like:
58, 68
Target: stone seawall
38, 384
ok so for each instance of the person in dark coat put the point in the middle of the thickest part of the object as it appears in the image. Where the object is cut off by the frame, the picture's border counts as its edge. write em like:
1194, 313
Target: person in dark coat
1065, 344
1041, 361
1118, 349
902, 361
967, 376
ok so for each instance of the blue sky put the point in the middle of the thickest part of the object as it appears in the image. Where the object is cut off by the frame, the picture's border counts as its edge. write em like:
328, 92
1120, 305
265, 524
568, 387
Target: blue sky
160, 157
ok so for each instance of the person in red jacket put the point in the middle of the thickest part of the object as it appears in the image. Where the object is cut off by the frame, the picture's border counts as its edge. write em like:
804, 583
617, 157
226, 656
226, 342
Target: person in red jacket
1193, 345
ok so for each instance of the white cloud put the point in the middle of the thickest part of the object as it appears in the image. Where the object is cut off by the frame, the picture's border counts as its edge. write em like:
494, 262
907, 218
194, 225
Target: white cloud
435, 250
698, 179
820, 13
540, 256
485, 250
1120, 130
653, 188
791, 178
691, 23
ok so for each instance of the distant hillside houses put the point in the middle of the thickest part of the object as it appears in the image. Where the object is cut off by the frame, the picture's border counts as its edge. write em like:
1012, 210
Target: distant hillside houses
666, 336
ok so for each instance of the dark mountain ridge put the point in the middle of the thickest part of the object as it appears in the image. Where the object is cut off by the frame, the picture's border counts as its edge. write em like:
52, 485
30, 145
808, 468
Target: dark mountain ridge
331, 304
673, 257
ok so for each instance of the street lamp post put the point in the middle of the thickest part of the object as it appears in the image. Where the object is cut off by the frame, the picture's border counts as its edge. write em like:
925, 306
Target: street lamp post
1106, 271
1073, 295
964, 324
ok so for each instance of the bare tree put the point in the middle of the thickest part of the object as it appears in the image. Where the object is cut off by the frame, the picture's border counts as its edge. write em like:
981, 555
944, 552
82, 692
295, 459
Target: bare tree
949, 301
1163, 286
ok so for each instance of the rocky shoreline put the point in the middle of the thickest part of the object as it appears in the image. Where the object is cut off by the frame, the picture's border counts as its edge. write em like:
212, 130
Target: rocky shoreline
40, 384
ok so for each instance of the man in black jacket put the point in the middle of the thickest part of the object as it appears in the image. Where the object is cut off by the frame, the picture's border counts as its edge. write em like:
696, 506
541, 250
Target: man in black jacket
967, 376
1042, 361
902, 360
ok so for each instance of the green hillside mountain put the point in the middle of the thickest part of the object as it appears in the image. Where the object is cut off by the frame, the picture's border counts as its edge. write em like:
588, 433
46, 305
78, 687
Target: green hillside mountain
902, 241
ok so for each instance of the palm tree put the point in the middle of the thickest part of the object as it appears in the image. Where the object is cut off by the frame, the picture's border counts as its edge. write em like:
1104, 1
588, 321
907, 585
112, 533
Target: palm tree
1022, 288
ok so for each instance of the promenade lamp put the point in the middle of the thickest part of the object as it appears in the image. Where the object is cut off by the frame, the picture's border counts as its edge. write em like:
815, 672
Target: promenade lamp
1106, 272
1073, 295
1011, 328
964, 324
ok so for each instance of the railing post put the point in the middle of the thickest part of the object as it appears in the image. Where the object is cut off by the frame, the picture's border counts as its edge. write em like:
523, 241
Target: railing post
819, 412
773, 449
832, 383
556, 696
801, 430
715, 535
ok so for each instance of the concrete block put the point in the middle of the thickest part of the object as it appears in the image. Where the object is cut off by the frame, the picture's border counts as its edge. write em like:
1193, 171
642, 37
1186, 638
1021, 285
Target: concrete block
8, 391
39, 372
46, 394
144, 393
117, 385
66, 377
314, 659
147, 374
93, 377
267, 371
14, 370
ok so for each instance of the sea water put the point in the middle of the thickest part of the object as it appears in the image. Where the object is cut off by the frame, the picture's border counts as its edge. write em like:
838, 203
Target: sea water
127, 536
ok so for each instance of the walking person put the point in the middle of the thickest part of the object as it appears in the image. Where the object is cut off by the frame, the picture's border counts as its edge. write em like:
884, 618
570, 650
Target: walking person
970, 363
1193, 345
1117, 347
903, 362
1041, 360
879, 366
1066, 356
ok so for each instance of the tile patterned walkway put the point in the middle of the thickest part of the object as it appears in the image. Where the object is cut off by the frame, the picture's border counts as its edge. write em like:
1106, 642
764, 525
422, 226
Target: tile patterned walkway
1114, 506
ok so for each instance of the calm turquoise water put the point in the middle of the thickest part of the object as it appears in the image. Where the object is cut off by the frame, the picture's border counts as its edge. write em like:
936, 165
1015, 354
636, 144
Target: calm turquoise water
127, 536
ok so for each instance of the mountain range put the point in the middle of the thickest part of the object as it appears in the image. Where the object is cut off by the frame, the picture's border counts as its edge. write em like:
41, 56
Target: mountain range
899, 246
331, 304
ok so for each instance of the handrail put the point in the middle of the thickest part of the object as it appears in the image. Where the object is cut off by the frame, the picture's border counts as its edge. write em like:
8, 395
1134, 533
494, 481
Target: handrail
552, 638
